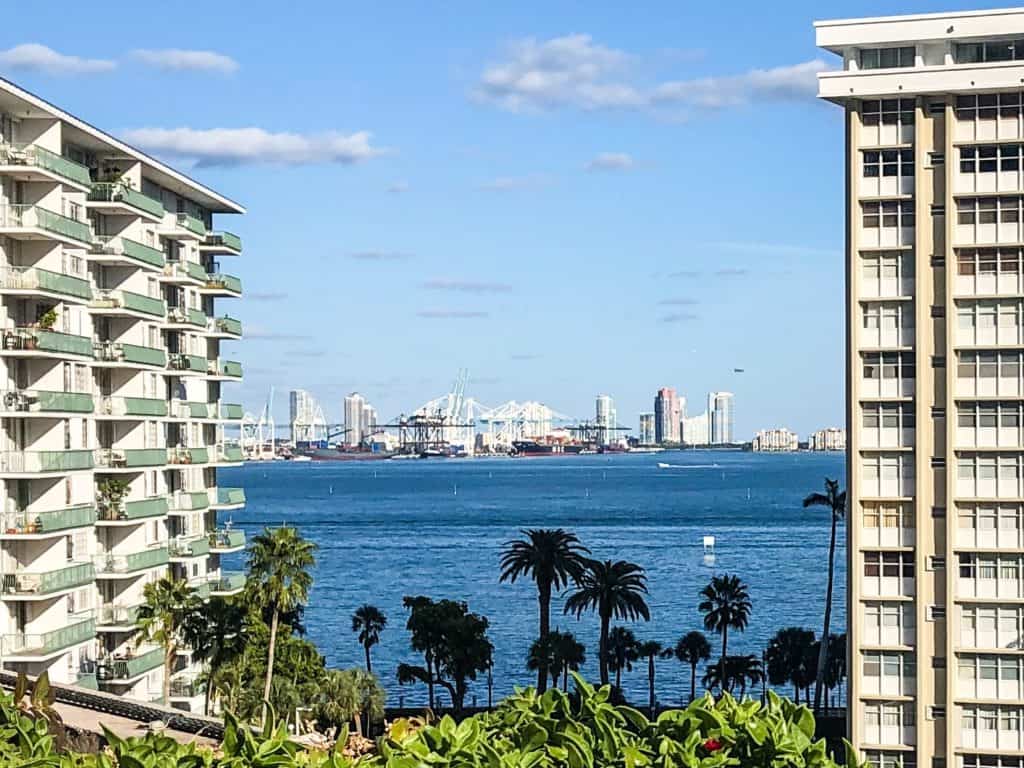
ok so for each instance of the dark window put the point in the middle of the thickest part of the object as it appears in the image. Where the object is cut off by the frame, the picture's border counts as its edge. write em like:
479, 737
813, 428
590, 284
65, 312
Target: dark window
887, 58
938, 361
938, 512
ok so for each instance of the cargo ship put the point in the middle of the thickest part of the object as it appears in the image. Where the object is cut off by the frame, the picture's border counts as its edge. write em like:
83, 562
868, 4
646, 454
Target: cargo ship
537, 448
341, 454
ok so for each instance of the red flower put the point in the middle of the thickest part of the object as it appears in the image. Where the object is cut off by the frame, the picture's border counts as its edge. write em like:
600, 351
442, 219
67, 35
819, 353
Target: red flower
712, 745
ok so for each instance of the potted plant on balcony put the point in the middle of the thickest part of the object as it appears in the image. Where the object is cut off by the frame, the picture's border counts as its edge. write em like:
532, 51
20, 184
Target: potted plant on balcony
110, 497
47, 320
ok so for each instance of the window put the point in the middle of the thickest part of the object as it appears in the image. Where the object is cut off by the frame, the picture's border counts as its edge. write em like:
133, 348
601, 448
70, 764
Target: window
889, 163
935, 613
887, 58
888, 112
936, 563
936, 159
888, 214
889, 564
973, 53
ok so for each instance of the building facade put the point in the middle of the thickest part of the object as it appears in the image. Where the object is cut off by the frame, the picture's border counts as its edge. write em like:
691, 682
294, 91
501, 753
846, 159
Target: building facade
775, 440
306, 418
667, 416
355, 410
646, 431
720, 417
933, 132
113, 407
828, 439
606, 419
697, 430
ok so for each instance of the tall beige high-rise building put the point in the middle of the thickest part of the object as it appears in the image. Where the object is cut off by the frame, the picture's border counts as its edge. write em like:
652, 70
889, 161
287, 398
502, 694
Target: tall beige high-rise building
112, 410
934, 134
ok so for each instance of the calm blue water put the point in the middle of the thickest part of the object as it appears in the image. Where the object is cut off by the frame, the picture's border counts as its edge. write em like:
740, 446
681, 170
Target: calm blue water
389, 529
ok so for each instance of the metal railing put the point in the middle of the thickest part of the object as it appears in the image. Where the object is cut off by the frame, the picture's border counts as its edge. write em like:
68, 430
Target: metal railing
18, 216
135, 561
39, 279
44, 401
220, 238
78, 629
25, 522
182, 362
45, 461
117, 192
225, 324
226, 282
133, 249
134, 302
42, 340
127, 667
47, 582
191, 223
226, 539
227, 583
189, 547
40, 157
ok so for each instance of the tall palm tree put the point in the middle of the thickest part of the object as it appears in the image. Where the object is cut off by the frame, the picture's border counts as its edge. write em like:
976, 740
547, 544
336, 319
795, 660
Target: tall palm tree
835, 501
369, 621
543, 656
568, 652
167, 606
726, 605
650, 649
613, 590
552, 557
836, 671
279, 564
692, 648
787, 656
738, 671
216, 634
622, 652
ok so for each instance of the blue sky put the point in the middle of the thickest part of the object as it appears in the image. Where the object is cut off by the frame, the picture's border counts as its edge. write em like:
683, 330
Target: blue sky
565, 198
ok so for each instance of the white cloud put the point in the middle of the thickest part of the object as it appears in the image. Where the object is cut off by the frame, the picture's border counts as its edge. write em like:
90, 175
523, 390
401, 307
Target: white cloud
574, 71
177, 59
33, 57
249, 146
610, 161
466, 286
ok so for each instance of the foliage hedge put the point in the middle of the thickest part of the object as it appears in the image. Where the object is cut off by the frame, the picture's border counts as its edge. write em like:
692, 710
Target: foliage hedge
583, 730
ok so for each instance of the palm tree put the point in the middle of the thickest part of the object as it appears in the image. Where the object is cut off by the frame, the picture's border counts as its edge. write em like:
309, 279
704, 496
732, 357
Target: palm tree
161, 619
726, 605
542, 656
216, 634
787, 655
369, 621
650, 649
622, 652
613, 590
692, 648
738, 671
568, 652
836, 671
279, 564
835, 500
553, 558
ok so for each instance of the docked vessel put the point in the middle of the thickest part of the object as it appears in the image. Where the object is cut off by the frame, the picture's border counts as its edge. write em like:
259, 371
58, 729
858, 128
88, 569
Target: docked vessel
537, 448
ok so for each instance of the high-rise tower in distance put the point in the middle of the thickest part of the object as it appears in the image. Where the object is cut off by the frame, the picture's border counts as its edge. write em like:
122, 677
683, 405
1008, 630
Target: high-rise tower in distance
667, 416
934, 134
720, 417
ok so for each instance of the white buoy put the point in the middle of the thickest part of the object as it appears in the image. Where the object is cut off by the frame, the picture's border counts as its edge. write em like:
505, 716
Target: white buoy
455, 490
709, 550
331, 490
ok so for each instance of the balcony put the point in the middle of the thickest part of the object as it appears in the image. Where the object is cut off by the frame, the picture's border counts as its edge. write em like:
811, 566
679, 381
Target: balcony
38, 280
120, 198
229, 497
129, 354
219, 241
138, 509
130, 458
182, 316
184, 409
188, 501
34, 223
184, 550
115, 565
187, 689
116, 615
227, 584
41, 583
26, 523
34, 159
140, 407
224, 326
225, 369
189, 223
79, 629
226, 285
187, 363
112, 302
183, 455
122, 668
229, 411
41, 340
35, 462
126, 250
225, 540
230, 454
29, 401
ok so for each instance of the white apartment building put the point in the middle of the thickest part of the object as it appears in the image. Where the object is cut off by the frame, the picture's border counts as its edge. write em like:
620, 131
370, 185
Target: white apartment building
111, 415
720, 417
828, 439
646, 430
934, 130
775, 440
605, 419
697, 429
306, 418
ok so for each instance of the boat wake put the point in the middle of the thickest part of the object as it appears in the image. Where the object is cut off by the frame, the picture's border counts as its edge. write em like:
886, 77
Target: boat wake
663, 465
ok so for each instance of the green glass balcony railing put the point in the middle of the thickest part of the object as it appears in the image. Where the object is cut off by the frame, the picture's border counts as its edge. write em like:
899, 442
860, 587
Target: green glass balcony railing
138, 509
17, 462
196, 271
73, 402
137, 302
197, 317
40, 157
179, 362
187, 689
29, 522
224, 282
117, 615
188, 501
37, 279
128, 458
230, 411
198, 410
80, 628
142, 252
114, 668
231, 453
225, 368
191, 223
49, 341
86, 680
136, 561
47, 582
34, 217
144, 406
230, 496
192, 548
221, 239
227, 583
188, 456
227, 325
115, 192
134, 353
202, 589
224, 539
